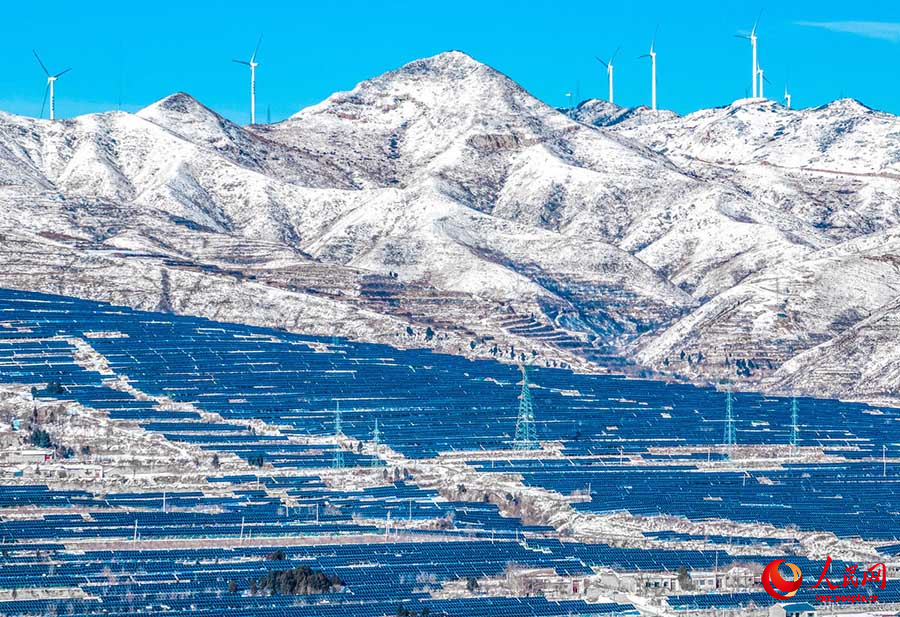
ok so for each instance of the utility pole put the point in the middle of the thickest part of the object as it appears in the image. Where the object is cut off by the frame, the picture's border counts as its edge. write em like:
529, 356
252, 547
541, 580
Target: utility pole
376, 443
338, 433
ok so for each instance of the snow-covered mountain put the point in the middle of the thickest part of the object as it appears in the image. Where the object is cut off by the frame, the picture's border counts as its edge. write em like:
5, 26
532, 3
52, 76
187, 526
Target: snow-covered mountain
831, 175
740, 242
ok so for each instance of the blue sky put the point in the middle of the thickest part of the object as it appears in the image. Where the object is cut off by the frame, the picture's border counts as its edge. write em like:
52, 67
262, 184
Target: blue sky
128, 55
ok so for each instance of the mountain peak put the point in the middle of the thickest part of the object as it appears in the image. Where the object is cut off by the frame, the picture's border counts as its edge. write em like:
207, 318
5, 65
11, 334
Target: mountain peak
448, 68
846, 105
449, 83
176, 103
444, 63
184, 115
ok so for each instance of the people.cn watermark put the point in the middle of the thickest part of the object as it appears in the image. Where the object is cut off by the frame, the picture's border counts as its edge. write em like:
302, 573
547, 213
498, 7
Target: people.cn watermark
781, 588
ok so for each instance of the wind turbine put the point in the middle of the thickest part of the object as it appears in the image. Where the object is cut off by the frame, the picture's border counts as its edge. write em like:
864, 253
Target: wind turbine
787, 96
252, 64
652, 56
51, 80
753, 40
609, 72
762, 81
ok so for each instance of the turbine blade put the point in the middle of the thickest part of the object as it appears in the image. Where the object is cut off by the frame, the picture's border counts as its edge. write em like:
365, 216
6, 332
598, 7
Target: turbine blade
653, 42
58, 75
46, 72
643, 56
616, 53
756, 23
766, 79
44, 102
241, 62
742, 36
258, 43
603, 62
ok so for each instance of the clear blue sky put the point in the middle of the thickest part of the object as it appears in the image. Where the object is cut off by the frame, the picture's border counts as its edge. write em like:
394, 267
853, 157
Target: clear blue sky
137, 53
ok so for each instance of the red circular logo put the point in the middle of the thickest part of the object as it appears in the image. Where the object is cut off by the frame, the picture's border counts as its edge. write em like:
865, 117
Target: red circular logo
772, 580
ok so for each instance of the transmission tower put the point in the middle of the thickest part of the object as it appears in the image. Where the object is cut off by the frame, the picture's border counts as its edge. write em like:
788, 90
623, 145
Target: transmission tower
730, 437
526, 434
795, 428
338, 433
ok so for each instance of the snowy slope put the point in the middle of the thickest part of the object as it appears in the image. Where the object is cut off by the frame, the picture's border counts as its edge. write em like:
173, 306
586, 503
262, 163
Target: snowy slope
827, 179
443, 194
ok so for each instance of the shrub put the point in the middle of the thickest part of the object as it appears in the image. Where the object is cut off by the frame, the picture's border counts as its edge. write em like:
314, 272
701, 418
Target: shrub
41, 438
298, 581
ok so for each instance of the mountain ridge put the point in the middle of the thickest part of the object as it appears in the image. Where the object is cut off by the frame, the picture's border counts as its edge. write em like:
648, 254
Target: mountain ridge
726, 244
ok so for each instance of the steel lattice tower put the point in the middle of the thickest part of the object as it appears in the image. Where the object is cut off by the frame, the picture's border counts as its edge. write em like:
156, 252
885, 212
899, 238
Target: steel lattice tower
730, 436
338, 433
795, 428
526, 434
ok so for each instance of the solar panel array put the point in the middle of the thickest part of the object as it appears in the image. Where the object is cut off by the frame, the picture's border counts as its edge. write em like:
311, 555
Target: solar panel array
854, 499
378, 579
245, 373
425, 403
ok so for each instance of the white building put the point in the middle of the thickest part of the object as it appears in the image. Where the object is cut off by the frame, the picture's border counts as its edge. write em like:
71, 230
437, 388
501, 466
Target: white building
733, 579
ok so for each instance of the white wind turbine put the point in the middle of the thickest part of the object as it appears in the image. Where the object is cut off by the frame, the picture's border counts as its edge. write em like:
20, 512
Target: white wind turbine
787, 96
609, 72
652, 56
51, 81
762, 81
252, 64
753, 45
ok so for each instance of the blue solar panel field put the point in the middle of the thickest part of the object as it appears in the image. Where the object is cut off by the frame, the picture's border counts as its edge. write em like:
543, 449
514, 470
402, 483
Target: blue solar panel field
399, 472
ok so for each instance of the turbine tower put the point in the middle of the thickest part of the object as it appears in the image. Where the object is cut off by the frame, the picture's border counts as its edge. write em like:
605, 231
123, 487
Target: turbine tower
51, 81
609, 73
787, 96
252, 64
526, 435
652, 56
753, 41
